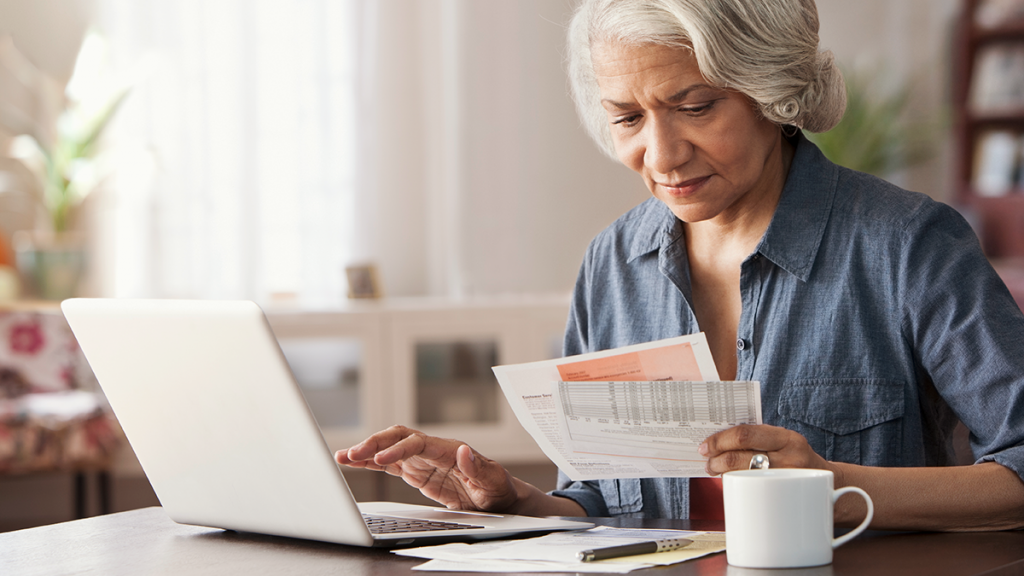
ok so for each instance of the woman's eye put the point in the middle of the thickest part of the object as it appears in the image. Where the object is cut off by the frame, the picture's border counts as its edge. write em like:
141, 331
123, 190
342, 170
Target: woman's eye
699, 109
627, 120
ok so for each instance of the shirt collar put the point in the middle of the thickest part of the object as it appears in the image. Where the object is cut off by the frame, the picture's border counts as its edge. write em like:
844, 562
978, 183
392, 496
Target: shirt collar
798, 225
796, 229
656, 228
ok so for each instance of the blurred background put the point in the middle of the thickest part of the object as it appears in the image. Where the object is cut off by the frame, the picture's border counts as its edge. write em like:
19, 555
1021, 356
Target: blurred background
258, 149
262, 145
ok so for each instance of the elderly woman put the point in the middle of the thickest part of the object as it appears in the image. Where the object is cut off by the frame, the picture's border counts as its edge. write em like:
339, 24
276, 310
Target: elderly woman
869, 314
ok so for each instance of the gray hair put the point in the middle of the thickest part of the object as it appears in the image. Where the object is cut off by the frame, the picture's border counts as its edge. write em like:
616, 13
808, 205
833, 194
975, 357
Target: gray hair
765, 49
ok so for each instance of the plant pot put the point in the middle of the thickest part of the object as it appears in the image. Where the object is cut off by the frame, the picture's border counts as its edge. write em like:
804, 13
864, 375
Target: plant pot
51, 264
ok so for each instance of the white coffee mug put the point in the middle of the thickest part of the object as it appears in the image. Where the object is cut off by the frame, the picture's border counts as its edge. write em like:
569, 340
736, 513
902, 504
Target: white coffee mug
782, 518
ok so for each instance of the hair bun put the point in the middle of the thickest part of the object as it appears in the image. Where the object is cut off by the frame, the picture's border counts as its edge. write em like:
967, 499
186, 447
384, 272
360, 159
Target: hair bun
825, 97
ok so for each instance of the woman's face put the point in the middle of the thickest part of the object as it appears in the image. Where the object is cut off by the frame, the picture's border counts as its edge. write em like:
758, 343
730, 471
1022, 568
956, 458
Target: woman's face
702, 150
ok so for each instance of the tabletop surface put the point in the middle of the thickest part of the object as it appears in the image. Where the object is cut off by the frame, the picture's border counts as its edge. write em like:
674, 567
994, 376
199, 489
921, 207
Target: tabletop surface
147, 542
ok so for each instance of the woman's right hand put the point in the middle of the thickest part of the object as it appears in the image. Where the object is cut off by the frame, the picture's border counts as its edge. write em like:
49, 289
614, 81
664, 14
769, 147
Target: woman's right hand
447, 471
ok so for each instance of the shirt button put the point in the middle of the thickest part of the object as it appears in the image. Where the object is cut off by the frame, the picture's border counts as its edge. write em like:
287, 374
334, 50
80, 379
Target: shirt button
740, 344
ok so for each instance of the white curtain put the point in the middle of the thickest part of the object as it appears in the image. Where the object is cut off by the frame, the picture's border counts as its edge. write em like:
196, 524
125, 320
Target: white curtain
433, 138
247, 114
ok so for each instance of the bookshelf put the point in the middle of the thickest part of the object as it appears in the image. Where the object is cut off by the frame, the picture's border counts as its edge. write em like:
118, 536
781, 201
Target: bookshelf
989, 116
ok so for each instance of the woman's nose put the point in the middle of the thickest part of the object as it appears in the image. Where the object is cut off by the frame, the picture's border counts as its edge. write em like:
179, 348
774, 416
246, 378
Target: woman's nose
667, 147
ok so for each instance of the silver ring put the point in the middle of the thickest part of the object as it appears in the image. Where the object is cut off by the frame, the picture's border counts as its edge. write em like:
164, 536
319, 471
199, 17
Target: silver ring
759, 462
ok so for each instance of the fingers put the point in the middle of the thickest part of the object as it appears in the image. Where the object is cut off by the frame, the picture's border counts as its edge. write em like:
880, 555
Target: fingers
483, 473
733, 449
735, 460
466, 460
380, 441
740, 460
439, 450
488, 484
395, 444
341, 457
447, 471
754, 438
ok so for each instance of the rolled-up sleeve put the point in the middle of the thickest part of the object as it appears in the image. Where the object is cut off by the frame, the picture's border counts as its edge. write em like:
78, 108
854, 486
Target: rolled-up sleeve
968, 331
586, 494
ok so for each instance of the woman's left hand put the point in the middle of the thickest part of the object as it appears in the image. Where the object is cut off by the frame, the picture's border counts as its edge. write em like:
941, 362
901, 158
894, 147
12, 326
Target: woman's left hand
732, 449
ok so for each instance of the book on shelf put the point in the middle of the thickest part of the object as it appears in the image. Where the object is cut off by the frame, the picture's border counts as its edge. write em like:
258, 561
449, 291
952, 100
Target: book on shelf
997, 165
992, 14
998, 83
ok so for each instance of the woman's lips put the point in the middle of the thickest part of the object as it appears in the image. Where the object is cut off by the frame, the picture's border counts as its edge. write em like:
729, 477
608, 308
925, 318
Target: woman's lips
684, 189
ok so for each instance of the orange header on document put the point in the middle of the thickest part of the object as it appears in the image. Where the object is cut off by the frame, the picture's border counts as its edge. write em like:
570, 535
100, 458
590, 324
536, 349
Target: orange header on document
677, 362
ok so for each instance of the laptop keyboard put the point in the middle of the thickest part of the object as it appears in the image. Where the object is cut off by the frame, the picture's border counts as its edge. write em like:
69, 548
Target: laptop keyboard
390, 525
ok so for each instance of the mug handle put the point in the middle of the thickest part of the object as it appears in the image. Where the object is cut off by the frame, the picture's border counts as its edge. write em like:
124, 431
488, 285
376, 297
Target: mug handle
837, 542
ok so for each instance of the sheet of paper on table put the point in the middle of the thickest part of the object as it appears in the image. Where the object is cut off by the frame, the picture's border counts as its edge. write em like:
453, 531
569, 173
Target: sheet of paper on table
635, 412
556, 552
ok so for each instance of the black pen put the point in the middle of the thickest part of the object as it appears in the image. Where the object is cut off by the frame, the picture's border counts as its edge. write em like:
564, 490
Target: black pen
662, 545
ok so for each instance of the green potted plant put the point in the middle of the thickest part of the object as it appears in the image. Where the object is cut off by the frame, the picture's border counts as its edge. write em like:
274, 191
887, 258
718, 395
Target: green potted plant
880, 133
51, 259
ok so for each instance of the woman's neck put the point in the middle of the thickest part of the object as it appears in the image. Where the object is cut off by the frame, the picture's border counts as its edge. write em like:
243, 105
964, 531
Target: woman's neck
736, 232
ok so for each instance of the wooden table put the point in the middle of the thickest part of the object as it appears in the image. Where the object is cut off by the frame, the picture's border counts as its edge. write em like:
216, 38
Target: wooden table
146, 542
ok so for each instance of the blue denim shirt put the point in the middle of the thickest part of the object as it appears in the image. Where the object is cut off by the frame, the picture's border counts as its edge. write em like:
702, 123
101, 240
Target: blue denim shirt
870, 317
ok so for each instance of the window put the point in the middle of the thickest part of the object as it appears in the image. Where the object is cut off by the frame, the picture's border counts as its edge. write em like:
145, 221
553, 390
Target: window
247, 111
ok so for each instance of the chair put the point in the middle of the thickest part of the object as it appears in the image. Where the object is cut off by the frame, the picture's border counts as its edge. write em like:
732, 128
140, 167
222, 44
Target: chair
51, 417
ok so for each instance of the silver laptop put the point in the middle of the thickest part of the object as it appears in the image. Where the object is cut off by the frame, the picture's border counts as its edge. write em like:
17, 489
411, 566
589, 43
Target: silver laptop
225, 437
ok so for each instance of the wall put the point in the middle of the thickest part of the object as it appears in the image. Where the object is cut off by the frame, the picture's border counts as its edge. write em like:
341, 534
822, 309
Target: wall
483, 181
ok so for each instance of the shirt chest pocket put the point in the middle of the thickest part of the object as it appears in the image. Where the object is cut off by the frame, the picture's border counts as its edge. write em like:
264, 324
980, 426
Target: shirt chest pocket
855, 420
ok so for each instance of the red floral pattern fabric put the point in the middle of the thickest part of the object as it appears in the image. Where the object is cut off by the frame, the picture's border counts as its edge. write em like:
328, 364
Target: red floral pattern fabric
50, 416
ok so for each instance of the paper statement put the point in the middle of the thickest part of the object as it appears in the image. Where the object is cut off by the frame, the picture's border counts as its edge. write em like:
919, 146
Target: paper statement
634, 412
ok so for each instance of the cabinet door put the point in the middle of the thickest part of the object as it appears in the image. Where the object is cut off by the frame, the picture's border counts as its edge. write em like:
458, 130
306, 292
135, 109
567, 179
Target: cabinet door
336, 359
442, 374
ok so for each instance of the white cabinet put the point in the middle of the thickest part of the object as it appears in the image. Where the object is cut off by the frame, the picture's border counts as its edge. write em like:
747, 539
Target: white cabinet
423, 363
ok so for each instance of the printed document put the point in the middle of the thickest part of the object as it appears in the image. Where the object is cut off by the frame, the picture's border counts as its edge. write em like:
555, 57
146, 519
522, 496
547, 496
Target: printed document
634, 412
557, 552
